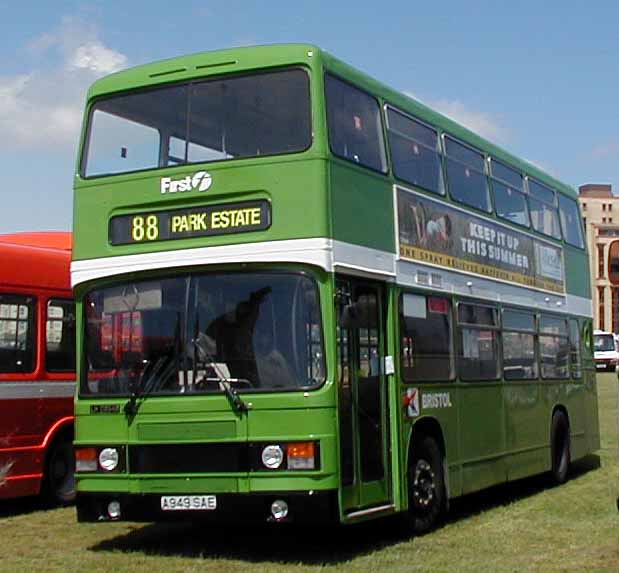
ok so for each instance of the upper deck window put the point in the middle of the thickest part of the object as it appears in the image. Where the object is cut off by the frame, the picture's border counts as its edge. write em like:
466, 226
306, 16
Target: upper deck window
212, 120
355, 131
465, 175
570, 221
509, 199
543, 209
414, 152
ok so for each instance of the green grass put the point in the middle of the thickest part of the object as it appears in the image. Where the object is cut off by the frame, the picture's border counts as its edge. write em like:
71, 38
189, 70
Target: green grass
516, 527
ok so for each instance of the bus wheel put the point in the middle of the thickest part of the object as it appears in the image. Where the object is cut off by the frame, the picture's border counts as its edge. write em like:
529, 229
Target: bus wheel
59, 484
426, 486
560, 447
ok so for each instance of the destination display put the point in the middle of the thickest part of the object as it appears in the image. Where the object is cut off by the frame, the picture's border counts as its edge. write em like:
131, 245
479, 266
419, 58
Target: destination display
203, 221
438, 234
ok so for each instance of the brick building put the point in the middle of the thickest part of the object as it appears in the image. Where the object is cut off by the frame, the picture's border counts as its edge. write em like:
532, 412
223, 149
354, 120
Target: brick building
600, 211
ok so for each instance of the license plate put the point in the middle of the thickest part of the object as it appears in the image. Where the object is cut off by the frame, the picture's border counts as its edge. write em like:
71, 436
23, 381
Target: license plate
600, 366
188, 502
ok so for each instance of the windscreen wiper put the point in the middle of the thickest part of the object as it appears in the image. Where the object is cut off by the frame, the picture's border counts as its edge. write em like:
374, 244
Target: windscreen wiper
146, 384
233, 395
200, 347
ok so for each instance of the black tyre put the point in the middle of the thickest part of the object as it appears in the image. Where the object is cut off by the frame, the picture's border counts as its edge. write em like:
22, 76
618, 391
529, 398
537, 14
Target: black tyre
560, 447
426, 485
59, 480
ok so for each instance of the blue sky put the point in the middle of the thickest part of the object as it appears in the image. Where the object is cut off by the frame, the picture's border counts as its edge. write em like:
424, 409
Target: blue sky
538, 78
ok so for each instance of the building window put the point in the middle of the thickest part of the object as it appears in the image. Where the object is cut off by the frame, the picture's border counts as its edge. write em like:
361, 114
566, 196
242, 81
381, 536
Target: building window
603, 206
613, 263
584, 222
614, 319
610, 219
584, 206
603, 219
600, 261
601, 308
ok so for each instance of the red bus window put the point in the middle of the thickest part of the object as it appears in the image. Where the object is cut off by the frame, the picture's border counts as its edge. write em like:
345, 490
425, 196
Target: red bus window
60, 336
17, 326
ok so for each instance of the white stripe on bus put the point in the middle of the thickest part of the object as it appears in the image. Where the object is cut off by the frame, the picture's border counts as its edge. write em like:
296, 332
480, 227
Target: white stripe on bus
333, 255
36, 389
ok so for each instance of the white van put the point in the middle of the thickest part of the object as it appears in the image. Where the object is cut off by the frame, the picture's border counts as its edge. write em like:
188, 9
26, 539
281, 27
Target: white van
605, 354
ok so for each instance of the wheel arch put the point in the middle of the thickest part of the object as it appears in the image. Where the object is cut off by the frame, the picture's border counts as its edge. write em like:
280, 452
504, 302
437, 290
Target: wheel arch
563, 409
62, 429
431, 427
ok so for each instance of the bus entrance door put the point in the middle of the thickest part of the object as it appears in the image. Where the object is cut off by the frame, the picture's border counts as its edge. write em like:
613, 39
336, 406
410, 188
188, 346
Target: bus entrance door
362, 396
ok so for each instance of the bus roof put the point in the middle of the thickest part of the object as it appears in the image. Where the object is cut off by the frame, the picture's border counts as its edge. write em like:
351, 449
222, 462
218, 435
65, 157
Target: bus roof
60, 240
235, 60
35, 260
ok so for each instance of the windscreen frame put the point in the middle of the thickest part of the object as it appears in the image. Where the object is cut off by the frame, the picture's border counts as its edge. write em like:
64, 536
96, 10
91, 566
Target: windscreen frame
83, 366
188, 84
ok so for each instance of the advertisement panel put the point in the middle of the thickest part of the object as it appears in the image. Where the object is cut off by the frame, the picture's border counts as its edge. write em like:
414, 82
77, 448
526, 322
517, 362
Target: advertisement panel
438, 234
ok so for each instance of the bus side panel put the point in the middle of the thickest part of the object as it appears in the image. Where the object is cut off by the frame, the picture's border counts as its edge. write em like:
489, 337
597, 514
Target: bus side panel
575, 396
439, 419
591, 411
526, 429
362, 207
482, 441
20, 471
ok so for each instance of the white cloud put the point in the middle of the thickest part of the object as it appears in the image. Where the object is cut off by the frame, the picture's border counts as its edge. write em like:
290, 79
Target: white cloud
480, 122
95, 57
43, 107
608, 150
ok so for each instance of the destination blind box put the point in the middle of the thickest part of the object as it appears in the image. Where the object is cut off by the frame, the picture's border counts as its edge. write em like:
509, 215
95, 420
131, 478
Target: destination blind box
202, 221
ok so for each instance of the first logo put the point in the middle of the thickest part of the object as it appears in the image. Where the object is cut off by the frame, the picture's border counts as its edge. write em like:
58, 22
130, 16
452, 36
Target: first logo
199, 181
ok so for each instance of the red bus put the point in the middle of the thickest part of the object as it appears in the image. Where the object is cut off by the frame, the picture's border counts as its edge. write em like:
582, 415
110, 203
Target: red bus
37, 366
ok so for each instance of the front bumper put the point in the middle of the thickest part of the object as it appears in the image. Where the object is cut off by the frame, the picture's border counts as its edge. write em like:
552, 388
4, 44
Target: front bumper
605, 364
304, 507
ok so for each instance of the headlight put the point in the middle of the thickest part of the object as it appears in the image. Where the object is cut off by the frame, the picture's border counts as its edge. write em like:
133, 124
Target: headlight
272, 456
108, 459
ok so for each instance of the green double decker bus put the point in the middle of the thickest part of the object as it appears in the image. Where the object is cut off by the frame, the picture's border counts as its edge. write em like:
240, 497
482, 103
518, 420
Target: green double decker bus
304, 296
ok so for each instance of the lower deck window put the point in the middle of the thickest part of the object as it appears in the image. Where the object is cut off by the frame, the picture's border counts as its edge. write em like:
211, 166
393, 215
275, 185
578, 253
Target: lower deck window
519, 360
478, 356
60, 336
425, 342
17, 352
554, 347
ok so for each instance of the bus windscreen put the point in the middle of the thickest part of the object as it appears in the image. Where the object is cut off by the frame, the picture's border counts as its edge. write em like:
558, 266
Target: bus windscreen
187, 334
